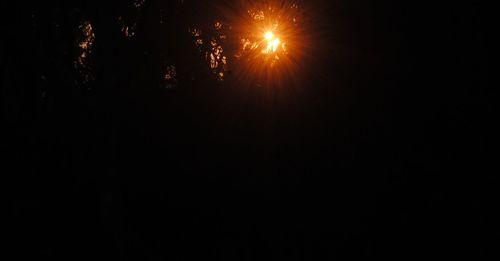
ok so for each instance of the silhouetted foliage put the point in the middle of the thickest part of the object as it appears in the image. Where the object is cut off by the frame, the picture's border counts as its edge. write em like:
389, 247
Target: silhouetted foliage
123, 143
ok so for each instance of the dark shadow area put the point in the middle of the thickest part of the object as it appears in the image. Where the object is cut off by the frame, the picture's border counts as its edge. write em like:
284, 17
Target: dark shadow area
122, 143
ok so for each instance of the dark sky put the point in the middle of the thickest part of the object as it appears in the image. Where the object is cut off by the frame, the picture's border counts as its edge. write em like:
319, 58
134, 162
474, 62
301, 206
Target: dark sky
377, 144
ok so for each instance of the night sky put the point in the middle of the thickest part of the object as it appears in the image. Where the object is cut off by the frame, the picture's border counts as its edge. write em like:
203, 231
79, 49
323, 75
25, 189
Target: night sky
148, 130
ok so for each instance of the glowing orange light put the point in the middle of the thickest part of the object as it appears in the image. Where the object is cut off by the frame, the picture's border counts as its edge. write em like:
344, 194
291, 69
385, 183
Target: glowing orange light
269, 35
274, 40
272, 43
272, 46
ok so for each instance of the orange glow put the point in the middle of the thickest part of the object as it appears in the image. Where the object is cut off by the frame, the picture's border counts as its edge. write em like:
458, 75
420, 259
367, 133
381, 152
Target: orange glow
272, 43
269, 35
272, 46
273, 40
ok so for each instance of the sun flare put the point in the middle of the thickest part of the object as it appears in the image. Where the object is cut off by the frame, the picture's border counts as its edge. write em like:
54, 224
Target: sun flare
273, 43
273, 40
269, 35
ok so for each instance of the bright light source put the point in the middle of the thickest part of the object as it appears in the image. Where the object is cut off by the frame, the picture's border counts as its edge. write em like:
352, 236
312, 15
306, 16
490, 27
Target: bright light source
269, 35
272, 42
272, 37
272, 46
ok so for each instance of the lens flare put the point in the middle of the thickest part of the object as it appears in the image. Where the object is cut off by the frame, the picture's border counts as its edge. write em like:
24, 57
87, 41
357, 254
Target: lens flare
271, 41
269, 35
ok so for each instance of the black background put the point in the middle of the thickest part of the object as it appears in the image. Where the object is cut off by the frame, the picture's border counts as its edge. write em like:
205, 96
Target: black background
383, 150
